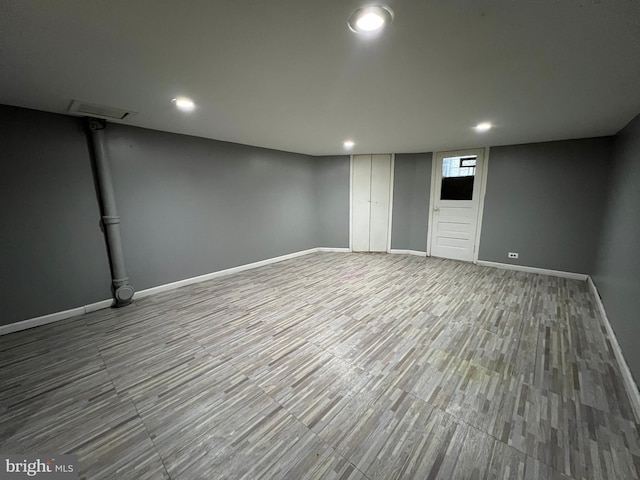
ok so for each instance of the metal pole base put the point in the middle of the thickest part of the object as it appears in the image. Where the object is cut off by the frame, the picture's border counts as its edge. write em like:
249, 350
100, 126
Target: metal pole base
123, 295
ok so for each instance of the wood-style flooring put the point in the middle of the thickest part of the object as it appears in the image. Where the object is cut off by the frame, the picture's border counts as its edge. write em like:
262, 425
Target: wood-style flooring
330, 366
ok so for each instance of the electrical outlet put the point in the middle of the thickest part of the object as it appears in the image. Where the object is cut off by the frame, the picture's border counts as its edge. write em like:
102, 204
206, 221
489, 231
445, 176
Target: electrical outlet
513, 255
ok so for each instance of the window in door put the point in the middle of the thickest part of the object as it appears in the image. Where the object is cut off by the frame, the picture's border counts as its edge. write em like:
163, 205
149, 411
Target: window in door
458, 175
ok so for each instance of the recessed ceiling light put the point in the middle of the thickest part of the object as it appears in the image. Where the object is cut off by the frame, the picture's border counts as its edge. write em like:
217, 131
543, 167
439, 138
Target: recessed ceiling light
370, 19
483, 127
183, 103
348, 145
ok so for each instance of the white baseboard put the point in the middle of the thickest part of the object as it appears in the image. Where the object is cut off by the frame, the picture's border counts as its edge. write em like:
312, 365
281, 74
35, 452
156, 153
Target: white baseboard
53, 317
629, 383
219, 273
98, 305
395, 251
230, 271
73, 312
541, 271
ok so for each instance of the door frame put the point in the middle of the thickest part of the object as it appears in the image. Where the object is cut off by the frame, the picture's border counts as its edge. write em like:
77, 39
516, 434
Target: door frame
391, 176
391, 181
351, 203
483, 190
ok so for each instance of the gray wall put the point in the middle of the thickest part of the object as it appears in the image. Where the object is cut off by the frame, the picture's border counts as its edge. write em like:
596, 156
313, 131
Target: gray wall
332, 200
52, 254
617, 275
546, 202
189, 206
192, 206
411, 191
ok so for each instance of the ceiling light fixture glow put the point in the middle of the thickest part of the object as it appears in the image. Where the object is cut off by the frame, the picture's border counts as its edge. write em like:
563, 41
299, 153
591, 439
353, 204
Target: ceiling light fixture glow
483, 127
348, 145
369, 22
370, 19
183, 103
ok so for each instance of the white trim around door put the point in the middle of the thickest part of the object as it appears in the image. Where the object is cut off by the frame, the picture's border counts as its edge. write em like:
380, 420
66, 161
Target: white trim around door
483, 192
391, 176
432, 190
351, 203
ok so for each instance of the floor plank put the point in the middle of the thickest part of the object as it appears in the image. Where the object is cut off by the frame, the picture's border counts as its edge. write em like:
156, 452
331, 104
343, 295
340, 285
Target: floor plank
330, 366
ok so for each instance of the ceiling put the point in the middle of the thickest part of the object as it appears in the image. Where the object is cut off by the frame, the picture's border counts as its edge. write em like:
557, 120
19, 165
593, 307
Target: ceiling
290, 75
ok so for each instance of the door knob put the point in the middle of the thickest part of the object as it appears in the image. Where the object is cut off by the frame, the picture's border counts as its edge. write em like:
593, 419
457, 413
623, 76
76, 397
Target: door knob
436, 209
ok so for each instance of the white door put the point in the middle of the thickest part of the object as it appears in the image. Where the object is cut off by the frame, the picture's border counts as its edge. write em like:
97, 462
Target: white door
456, 204
360, 202
370, 202
380, 196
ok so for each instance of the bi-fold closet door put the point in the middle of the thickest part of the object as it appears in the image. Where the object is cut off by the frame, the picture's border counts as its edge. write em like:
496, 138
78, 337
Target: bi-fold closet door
370, 202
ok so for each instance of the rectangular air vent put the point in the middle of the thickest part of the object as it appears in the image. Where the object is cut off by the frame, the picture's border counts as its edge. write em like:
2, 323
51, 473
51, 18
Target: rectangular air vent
100, 111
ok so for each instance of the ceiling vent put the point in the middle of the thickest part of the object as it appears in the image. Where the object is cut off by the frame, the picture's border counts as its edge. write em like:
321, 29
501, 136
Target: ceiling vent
100, 111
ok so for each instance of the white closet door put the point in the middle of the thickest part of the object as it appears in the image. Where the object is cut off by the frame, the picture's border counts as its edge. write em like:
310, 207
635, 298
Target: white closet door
370, 202
361, 202
380, 199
